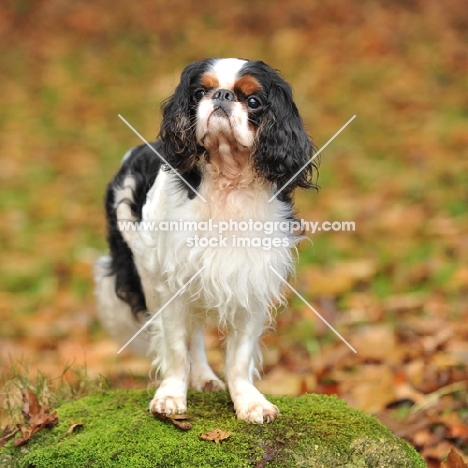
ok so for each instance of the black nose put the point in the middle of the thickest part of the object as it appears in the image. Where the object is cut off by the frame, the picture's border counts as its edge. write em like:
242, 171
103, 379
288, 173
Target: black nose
224, 95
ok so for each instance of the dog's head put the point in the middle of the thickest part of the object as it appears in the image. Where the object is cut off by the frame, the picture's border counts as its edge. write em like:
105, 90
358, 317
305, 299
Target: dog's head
235, 112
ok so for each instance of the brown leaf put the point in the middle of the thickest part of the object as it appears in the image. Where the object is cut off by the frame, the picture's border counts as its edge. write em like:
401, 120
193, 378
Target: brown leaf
432, 342
424, 438
180, 417
377, 343
216, 435
270, 453
184, 425
370, 388
179, 420
456, 427
31, 405
406, 428
26, 434
73, 426
454, 460
459, 431
35, 416
437, 451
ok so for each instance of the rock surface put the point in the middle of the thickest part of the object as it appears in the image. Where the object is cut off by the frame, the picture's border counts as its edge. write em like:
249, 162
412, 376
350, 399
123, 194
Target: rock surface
312, 431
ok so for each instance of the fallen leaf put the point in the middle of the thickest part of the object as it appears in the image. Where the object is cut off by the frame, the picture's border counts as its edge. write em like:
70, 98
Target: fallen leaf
26, 434
456, 427
179, 420
73, 426
405, 391
438, 451
432, 342
454, 460
184, 425
31, 405
458, 431
370, 388
35, 416
282, 381
270, 453
377, 343
216, 435
404, 302
423, 438
403, 428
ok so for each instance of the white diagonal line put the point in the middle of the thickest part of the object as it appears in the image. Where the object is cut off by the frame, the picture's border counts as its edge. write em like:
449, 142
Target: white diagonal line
161, 309
310, 160
312, 309
160, 157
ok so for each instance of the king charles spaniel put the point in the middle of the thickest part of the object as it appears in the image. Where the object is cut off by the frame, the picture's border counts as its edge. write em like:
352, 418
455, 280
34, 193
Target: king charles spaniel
231, 150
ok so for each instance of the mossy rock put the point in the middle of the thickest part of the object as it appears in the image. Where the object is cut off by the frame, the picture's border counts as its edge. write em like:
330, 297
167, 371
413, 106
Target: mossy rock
312, 431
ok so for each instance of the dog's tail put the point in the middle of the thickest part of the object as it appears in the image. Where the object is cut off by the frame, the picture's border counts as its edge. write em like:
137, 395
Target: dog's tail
115, 314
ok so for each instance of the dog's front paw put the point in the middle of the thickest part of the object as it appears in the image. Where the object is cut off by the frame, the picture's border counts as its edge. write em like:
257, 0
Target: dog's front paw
253, 407
258, 412
168, 400
168, 405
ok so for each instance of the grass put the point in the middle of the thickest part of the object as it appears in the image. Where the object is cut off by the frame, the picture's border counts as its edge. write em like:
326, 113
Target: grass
72, 383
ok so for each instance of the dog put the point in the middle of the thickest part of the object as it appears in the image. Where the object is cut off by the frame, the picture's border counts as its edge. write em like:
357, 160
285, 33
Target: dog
231, 150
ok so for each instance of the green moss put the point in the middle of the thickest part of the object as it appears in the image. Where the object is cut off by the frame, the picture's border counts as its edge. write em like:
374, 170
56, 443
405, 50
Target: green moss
312, 431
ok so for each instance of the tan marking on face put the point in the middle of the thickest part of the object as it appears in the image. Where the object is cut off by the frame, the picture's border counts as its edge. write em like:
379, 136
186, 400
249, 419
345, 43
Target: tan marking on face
247, 85
209, 81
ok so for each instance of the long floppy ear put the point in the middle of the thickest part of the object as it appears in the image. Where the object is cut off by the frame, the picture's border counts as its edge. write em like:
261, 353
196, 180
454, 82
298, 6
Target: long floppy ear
283, 146
177, 131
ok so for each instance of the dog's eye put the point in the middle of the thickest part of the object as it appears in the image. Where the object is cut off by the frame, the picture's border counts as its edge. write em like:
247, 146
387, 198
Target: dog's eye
253, 102
198, 94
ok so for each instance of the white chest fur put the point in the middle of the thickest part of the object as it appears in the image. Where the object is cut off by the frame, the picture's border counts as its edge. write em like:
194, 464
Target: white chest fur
230, 242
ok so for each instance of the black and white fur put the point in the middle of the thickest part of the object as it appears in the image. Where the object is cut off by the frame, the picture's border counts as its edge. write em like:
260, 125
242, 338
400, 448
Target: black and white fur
232, 130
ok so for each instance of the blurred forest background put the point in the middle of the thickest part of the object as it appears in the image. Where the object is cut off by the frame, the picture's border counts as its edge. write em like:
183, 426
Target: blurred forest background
396, 288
